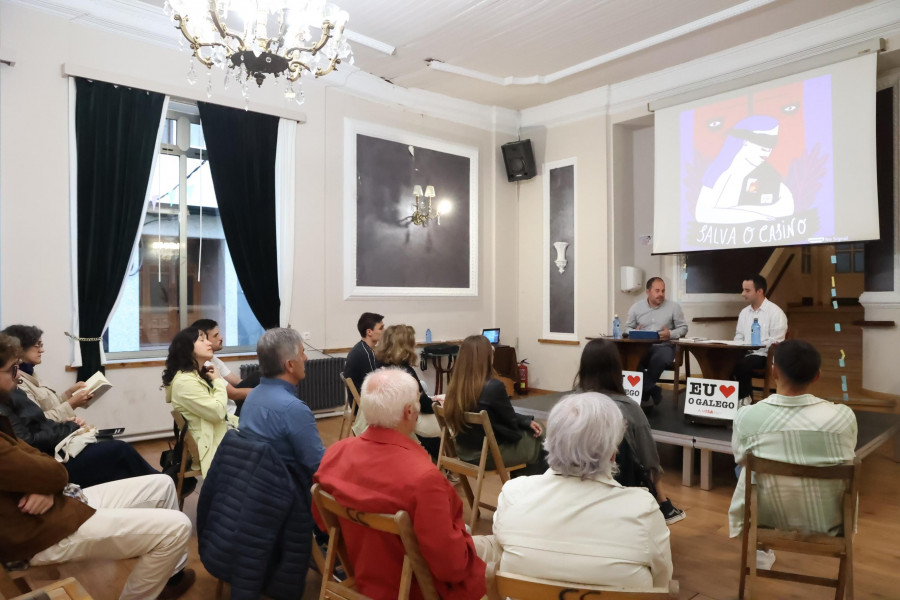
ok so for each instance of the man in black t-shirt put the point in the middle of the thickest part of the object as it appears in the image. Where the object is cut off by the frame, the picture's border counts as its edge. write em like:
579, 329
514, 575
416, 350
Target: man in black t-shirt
361, 359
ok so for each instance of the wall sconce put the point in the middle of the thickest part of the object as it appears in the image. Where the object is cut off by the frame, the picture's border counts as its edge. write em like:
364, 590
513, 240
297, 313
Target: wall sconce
561, 261
424, 211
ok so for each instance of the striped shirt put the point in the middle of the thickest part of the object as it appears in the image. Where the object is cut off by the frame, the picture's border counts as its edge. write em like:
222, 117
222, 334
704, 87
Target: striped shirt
802, 430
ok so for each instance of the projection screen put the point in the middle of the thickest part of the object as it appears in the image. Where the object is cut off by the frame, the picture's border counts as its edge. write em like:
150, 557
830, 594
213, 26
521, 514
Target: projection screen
787, 162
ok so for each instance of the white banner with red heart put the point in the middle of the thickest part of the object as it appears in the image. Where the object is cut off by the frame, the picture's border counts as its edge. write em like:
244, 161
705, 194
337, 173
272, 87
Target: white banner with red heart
633, 382
713, 398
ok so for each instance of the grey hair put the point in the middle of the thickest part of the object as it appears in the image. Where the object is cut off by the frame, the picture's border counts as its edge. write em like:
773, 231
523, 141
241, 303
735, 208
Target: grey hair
583, 433
385, 394
276, 346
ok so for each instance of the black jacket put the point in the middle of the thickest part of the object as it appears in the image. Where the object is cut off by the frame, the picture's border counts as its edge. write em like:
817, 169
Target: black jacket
31, 426
507, 424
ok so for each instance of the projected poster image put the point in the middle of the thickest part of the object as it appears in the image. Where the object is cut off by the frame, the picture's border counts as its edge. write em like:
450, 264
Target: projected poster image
758, 169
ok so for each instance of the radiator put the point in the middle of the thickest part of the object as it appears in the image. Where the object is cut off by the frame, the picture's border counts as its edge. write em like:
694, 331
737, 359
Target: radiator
322, 388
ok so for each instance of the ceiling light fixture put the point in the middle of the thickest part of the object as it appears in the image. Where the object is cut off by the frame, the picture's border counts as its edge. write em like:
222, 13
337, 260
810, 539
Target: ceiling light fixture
275, 37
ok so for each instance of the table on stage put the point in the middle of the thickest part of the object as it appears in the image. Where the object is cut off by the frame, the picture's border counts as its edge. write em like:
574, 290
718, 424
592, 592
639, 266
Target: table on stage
505, 362
631, 351
716, 359
669, 427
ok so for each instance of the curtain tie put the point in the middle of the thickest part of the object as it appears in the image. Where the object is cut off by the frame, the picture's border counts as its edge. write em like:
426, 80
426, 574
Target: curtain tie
83, 339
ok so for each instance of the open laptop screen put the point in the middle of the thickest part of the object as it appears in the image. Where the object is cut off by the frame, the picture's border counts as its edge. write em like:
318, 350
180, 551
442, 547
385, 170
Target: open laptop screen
493, 335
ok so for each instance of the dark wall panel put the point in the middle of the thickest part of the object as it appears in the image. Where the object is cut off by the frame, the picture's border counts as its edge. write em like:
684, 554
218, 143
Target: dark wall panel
562, 229
880, 254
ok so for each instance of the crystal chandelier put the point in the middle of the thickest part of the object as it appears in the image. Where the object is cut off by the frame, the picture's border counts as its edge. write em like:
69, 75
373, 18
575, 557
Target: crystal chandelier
274, 37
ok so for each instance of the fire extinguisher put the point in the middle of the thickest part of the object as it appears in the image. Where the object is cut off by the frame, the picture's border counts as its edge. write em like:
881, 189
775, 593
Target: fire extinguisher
523, 376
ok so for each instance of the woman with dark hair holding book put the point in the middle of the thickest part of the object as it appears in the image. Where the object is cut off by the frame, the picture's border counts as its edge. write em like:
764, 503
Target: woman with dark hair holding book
199, 393
601, 371
98, 462
56, 407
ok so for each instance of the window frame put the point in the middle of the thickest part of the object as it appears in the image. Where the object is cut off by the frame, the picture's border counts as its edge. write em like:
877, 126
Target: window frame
192, 114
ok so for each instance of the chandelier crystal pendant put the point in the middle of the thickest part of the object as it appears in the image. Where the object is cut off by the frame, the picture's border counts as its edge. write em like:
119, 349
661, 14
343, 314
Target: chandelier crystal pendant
257, 38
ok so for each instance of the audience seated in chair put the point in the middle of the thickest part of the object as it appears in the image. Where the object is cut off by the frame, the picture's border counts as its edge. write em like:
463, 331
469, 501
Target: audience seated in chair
361, 359
56, 407
793, 426
600, 371
236, 388
198, 393
384, 471
254, 525
475, 387
46, 521
97, 463
274, 413
773, 327
575, 523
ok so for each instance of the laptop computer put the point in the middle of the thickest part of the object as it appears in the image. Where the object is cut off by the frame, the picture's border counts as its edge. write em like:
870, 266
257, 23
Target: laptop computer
493, 335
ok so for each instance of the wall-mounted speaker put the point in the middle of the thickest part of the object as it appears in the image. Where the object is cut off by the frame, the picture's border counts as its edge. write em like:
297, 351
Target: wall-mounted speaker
519, 160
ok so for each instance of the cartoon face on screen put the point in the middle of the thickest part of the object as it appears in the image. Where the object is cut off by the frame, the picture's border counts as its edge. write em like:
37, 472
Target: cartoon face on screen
740, 186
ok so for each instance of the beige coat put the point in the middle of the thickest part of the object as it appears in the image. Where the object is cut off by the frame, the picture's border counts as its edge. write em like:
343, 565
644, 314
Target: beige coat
54, 407
205, 410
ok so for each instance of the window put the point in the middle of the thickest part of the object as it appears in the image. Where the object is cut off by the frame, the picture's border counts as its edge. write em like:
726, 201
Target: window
851, 258
182, 270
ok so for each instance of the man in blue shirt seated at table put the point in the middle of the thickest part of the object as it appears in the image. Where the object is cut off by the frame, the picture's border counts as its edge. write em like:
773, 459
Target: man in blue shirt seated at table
274, 413
655, 313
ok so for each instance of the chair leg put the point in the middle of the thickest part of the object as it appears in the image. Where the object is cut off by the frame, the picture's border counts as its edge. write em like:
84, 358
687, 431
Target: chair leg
476, 501
676, 384
220, 589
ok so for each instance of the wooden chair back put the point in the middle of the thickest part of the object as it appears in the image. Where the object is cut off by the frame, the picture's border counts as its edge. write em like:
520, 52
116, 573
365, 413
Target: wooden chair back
189, 453
821, 544
520, 587
351, 406
66, 589
449, 460
399, 524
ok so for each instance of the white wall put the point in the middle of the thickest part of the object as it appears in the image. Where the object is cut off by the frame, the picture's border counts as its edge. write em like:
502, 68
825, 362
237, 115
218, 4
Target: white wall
35, 282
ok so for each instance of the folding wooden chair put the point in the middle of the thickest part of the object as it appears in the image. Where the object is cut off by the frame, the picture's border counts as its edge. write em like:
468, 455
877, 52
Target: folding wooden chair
682, 359
189, 452
520, 587
448, 459
755, 537
67, 589
351, 407
400, 524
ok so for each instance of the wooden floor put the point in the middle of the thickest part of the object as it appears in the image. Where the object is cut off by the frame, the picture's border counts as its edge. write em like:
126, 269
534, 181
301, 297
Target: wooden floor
705, 559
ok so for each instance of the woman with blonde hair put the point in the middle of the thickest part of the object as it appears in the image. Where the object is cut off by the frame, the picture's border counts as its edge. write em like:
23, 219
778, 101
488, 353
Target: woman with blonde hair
397, 348
474, 387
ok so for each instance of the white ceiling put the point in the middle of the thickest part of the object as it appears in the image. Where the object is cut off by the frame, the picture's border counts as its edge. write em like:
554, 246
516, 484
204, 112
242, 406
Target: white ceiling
525, 38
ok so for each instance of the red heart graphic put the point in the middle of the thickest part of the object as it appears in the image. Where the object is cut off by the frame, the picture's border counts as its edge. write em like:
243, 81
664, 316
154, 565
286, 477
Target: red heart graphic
634, 380
726, 390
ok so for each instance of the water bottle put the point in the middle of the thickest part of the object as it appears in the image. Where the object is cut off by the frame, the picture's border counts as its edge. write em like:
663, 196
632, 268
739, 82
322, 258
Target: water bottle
755, 334
427, 336
617, 328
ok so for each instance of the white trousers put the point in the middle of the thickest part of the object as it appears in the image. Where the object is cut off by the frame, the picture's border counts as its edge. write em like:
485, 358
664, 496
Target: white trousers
135, 518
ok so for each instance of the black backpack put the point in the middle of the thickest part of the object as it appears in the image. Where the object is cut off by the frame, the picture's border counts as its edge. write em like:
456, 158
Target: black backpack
631, 472
170, 462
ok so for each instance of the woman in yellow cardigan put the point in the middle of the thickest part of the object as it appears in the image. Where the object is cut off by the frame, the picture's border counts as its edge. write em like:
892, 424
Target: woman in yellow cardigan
197, 392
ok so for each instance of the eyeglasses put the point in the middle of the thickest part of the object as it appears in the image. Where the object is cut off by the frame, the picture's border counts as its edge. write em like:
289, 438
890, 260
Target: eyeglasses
39, 344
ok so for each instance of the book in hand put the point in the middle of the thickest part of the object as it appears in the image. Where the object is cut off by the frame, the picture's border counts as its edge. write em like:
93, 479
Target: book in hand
97, 385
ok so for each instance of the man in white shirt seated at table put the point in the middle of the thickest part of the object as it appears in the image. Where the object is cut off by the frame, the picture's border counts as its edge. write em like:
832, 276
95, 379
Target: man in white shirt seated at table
772, 328
655, 313
575, 523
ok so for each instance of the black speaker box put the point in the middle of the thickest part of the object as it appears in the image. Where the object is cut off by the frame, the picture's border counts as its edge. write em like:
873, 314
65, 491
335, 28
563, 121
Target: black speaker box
519, 160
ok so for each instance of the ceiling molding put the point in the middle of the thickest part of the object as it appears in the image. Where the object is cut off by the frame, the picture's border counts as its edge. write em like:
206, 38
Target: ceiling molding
660, 38
875, 19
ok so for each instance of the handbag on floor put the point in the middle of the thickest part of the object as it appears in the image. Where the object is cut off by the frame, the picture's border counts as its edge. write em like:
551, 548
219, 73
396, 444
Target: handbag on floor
72, 445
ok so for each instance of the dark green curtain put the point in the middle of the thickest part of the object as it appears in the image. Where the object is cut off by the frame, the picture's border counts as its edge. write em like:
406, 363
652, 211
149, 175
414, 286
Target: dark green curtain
241, 148
115, 131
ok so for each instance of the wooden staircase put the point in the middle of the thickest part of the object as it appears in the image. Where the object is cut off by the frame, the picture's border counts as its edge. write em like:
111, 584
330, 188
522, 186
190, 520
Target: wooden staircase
815, 324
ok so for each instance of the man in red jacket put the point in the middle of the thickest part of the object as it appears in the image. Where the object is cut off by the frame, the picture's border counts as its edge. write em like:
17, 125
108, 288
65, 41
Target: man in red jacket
45, 521
385, 471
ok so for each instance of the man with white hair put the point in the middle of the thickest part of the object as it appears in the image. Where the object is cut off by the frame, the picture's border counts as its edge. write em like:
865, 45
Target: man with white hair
385, 471
575, 523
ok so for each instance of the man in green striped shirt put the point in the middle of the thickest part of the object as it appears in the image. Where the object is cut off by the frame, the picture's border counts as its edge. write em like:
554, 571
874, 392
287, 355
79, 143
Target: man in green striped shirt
795, 427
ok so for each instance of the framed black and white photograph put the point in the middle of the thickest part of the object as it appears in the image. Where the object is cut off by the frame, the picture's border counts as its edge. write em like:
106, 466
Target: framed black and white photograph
560, 287
410, 214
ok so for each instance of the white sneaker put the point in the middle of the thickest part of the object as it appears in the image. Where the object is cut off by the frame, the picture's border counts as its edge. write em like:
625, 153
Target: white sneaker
765, 559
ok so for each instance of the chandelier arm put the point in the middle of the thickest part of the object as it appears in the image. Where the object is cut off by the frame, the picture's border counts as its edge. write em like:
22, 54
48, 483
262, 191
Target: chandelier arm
331, 67
224, 31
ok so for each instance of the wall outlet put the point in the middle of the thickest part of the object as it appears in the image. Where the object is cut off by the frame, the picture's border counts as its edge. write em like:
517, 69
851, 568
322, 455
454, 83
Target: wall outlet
306, 335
